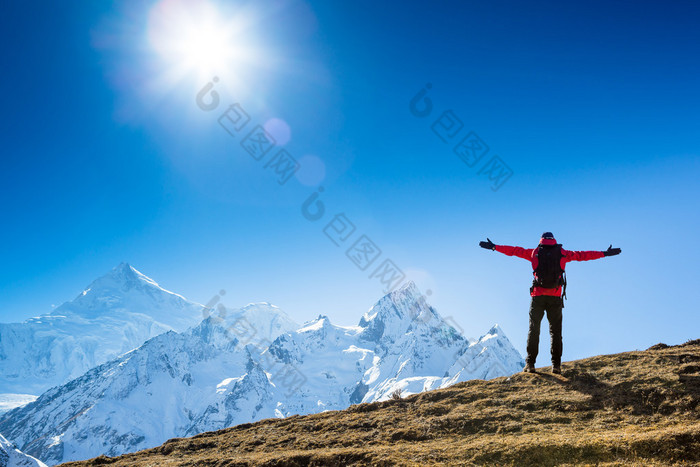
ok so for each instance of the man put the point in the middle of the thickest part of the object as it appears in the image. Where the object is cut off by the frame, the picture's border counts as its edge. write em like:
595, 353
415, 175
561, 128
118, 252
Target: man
548, 262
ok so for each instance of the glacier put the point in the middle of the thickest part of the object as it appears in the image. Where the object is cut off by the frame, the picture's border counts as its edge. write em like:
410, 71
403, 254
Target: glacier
243, 365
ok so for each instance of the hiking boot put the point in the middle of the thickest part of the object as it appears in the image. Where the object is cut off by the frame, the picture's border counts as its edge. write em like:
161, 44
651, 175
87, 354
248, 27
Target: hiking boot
556, 369
529, 368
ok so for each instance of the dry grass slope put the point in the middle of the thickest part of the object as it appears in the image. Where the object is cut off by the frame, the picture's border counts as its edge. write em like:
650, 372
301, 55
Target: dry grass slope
632, 408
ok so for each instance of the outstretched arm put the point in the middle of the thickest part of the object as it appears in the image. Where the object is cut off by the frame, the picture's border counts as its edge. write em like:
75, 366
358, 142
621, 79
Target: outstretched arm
507, 250
589, 255
520, 252
582, 255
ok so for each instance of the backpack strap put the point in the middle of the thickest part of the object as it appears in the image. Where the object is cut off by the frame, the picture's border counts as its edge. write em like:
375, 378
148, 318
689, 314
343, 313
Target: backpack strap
562, 279
563, 288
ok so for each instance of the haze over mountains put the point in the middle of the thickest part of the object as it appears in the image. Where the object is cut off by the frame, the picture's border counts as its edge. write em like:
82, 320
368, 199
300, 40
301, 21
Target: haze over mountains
235, 366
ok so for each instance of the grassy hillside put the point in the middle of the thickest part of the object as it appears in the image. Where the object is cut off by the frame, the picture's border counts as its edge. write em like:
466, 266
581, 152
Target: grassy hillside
630, 408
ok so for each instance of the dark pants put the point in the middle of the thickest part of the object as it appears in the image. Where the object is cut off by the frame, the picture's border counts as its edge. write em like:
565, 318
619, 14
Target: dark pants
553, 307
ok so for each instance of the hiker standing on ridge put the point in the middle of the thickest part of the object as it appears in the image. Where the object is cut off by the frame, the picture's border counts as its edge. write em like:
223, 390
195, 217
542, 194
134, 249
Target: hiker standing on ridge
548, 262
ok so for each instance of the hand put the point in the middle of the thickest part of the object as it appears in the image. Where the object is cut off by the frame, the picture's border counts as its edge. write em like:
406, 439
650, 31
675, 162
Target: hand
489, 245
612, 251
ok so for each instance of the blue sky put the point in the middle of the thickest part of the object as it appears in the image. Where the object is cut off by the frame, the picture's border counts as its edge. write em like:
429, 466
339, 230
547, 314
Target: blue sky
593, 106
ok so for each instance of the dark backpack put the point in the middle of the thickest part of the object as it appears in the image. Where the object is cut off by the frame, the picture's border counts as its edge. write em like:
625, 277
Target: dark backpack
548, 273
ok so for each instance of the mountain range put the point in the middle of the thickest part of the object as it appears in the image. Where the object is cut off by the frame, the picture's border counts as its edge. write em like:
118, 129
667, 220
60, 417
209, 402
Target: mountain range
241, 365
638, 408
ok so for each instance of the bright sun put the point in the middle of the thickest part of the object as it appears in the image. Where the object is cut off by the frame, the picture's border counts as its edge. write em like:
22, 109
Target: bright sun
194, 38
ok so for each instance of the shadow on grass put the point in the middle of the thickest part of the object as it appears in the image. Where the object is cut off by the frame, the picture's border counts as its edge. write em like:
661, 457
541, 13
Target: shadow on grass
629, 395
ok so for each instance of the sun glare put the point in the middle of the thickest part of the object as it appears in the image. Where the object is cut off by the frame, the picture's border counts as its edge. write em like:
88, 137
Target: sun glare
195, 38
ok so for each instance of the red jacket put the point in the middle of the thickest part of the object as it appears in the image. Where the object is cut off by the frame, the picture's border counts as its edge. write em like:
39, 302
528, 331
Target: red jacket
566, 256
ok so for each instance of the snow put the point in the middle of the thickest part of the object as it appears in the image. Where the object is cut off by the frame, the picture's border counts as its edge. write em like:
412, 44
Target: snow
116, 313
243, 365
222, 387
314, 326
55, 440
10, 456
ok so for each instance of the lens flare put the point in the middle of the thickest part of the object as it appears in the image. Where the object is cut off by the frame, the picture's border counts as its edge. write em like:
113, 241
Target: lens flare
312, 171
279, 130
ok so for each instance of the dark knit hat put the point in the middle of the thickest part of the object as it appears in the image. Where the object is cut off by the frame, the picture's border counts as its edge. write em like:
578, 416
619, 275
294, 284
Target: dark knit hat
548, 235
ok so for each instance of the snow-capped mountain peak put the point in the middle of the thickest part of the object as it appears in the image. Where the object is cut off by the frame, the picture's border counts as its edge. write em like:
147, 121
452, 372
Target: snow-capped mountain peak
397, 313
116, 313
317, 324
495, 332
122, 287
122, 277
402, 302
131, 277
258, 324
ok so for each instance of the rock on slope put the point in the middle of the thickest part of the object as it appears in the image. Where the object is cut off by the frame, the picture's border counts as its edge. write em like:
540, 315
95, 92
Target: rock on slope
638, 408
